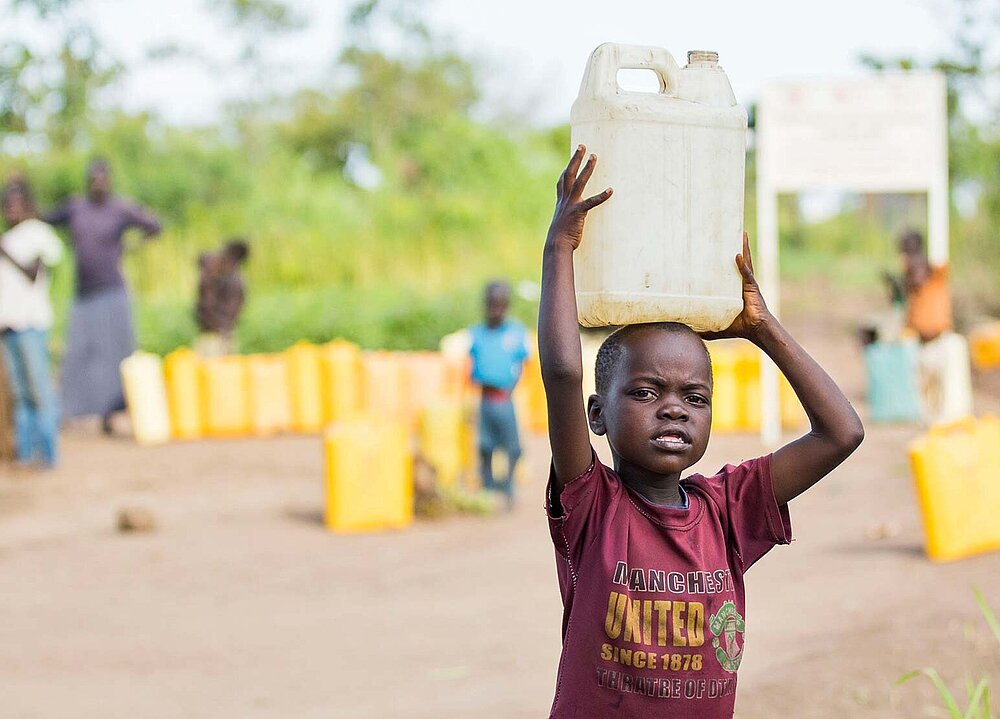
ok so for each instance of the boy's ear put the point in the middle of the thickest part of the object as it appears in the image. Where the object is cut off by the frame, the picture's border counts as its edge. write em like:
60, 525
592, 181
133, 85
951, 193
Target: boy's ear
595, 415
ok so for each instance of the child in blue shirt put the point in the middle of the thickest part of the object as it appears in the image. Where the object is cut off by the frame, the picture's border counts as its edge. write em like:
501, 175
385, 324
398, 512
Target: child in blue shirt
499, 349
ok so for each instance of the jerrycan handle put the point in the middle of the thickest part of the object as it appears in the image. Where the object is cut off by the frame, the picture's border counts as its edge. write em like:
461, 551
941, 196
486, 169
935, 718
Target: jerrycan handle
601, 76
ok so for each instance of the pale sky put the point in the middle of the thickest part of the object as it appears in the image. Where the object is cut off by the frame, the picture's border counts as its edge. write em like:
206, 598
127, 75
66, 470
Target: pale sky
531, 53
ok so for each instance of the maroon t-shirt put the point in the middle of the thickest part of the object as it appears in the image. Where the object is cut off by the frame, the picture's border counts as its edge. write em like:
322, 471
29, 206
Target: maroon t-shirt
653, 601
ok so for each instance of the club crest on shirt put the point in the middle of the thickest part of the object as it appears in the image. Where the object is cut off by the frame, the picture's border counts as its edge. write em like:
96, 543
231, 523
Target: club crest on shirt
727, 625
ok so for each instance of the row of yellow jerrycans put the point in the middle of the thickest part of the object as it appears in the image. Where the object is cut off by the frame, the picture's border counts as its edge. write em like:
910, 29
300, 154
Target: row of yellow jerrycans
303, 389
955, 470
300, 390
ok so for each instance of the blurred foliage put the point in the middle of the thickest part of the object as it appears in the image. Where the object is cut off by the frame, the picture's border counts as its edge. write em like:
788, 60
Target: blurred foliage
462, 198
398, 266
51, 93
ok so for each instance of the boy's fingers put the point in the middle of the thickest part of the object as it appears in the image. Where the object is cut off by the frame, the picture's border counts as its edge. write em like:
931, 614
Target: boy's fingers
581, 181
745, 272
565, 181
592, 202
574, 167
746, 251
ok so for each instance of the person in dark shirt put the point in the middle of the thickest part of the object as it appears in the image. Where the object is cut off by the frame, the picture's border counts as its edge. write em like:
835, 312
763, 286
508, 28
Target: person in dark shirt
100, 331
221, 294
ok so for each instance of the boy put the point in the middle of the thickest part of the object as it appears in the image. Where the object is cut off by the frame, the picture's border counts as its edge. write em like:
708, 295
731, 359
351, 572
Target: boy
28, 249
928, 300
650, 565
498, 352
221, 295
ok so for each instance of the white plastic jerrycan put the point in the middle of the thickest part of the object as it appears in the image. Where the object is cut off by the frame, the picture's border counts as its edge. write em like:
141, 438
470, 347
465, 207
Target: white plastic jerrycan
663, 247
146, 396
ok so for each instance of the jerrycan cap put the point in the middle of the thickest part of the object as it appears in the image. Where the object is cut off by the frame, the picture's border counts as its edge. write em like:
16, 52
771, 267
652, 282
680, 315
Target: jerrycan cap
703, 58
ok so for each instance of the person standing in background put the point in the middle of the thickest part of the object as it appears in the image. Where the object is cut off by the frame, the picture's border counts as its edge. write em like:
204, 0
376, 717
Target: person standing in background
945, 380
928, 299
100, 331
221, 294
27, 249
499, 349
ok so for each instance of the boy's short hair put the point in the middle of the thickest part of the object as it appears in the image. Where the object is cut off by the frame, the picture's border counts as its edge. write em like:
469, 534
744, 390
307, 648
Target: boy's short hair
612, 350
911, 242
18, 185
497, 288
98, 162
236, 249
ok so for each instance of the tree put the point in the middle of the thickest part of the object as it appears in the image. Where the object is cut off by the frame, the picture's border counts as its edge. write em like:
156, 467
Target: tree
384, 99
53, 93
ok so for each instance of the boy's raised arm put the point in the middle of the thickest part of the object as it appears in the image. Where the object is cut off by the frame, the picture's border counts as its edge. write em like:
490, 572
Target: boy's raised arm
559, 351
835, 428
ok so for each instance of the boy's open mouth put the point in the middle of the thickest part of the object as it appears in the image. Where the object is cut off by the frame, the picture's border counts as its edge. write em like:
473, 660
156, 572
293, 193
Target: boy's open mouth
672, 439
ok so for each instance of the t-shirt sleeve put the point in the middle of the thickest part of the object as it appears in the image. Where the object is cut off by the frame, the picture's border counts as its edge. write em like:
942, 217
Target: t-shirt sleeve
756, 521
50, 250
576, 515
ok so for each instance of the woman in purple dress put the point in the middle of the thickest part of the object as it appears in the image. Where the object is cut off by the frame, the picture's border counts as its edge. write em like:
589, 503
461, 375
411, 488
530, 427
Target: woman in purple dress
100, 324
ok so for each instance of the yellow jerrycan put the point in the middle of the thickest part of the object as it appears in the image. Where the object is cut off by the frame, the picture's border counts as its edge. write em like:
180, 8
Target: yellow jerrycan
226, 405
269, 395
304, 377
146, 397
429, 380
726, 386
385, 385
369, 475
340, 375
183, 373
663, 247
440, 437
455, 350
955, 472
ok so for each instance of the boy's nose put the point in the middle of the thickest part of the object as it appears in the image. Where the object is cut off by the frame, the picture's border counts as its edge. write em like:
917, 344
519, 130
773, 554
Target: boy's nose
672, 409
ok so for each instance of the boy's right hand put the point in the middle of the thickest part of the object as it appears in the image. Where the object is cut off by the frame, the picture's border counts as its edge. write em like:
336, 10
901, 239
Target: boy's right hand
571, 210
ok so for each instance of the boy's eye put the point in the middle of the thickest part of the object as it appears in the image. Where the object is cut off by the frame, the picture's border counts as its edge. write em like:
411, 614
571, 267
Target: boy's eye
643, 394
697, 399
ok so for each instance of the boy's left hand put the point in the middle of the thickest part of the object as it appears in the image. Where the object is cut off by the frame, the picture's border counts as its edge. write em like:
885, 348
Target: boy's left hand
755, 313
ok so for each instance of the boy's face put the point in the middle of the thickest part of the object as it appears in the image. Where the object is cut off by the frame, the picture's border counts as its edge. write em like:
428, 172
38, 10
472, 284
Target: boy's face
657, 412
228, 264
496, 309
15, 209
98, 181
213, 263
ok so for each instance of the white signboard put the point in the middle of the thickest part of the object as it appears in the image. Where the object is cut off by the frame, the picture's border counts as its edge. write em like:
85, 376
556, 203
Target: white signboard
884, 133
880, 133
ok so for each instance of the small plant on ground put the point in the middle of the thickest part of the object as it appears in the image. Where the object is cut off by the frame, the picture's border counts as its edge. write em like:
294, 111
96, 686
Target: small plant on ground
977, 694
